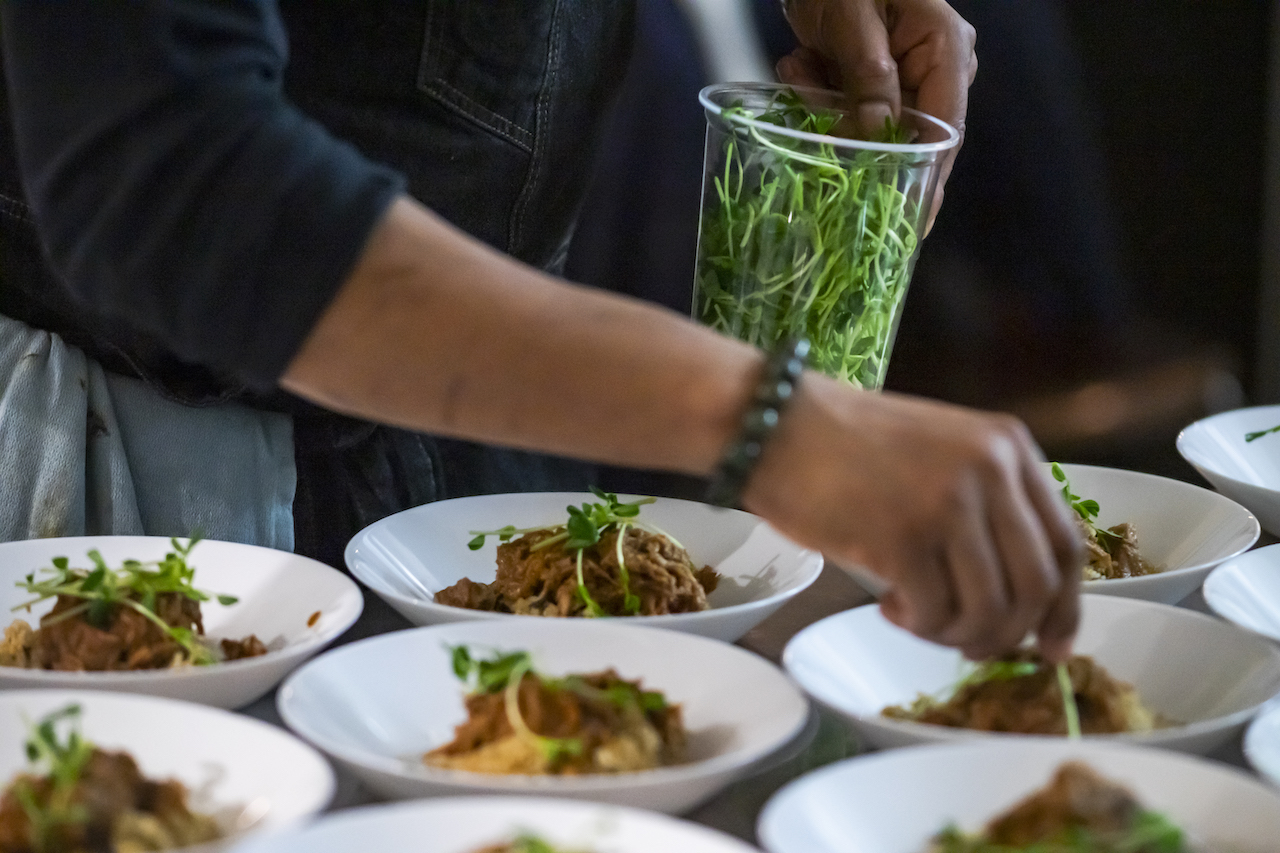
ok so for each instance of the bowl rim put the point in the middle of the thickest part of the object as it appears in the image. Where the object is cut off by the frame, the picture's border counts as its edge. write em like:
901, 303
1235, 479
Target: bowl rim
1199, 462
708, 93
400, 768
1267, 718
99, 680
931, 733
1255, 560
809, 558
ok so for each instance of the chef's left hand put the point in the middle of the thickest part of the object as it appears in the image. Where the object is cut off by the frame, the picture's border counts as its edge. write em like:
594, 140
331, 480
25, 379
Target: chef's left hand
886, 54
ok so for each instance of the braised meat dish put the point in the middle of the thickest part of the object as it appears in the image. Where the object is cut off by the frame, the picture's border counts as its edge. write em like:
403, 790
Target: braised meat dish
1078, 812
140, 616
1113, 553
519, 721
94, 801
1021, 694
602, 562
525, 844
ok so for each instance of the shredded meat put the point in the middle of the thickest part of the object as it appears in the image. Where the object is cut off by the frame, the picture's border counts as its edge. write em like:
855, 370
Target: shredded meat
1076, 798
544, 581
124, 811
249, 647
1114, 556
1032, 704
612, 736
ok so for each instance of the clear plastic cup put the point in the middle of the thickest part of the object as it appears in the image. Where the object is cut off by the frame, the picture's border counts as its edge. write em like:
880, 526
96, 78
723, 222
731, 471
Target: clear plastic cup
803, 233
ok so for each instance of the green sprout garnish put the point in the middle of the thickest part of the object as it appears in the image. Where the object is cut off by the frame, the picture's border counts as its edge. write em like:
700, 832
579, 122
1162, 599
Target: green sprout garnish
584, 528
503, 672
135, 585
1007, 670
1086, 509
1251, 436
801, 240
62, 762
1150, 832
529, 843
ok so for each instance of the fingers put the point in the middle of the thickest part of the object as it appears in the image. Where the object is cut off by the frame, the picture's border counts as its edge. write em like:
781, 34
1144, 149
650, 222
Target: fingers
922, 599
802, 67
1058, 628
855, 37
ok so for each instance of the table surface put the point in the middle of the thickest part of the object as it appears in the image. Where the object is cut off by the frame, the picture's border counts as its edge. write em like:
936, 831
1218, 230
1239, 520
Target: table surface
734, 810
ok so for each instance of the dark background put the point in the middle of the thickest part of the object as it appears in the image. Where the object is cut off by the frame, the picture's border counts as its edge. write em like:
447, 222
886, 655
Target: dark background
1096, 266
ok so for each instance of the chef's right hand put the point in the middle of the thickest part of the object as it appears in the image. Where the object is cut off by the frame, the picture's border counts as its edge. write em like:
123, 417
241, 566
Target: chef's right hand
953, 509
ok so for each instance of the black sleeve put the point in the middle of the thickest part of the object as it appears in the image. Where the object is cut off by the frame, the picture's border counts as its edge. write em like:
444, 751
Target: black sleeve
174, 186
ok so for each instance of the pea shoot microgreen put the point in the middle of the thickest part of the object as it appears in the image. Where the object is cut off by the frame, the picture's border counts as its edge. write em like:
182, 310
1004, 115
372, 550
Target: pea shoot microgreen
1086, 509
527, 843
1007, 670
1253, 436
63, 762
801, 240
134, 585
583, 529
503, 672
1150, 832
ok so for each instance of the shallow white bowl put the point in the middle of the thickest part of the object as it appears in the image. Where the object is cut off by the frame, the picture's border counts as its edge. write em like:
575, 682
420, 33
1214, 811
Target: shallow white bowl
251, 776
895, 802
1248, 472
466, 824
278, 594
1185, 665
410, 556
1246, 591
377, 705
1184, 528
1262, 743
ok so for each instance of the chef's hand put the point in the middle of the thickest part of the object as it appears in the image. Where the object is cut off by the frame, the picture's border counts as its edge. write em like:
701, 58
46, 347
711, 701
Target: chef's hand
952, 508
885, 54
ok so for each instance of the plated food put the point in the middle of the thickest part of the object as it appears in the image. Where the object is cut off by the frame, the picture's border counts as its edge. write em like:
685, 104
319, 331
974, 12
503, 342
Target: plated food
78, 798
1110, 552
134, 617
521, 721
378, 717
1206, 678
603, 561
904, 801
410, 557
1023, 694
525, 843
97, 772
1246, 471
293, 606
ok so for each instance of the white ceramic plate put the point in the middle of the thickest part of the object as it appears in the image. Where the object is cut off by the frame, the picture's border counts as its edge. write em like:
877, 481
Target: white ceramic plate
1185, 665
1246, 591
408, 557
252, 777
467, 824
1184, 528
1262, 743
1248, 472
895, 802
278, 592
377, 705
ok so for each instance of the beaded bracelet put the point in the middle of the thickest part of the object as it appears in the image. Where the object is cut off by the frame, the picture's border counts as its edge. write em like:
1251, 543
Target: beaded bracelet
778, 384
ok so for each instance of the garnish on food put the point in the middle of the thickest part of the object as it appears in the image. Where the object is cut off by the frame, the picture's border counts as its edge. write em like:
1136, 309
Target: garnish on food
1079, 811
1112, 552
1024, 694
81, 799
138, 616
602, 561
525, 843
802, 240
521, 721
1254, 436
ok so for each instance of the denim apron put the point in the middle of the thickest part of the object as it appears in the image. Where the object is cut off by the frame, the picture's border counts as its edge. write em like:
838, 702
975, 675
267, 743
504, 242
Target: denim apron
493, 111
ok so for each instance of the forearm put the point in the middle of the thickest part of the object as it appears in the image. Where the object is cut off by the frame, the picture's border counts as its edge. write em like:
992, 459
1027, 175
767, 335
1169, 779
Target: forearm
437, 332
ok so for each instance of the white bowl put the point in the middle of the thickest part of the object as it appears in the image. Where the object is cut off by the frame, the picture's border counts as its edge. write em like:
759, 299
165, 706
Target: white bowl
467, 824
252, 777
410, 556
377, 705
1184, 528
1262, 743
895, 802
1248, 472
1246, 591
278, 592
1185, 665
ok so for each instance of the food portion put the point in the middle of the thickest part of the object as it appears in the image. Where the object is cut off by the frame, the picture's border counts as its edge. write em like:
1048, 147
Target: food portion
520, 721
1078, 812
81, 799
525, 844
1023, 694
139, 616
1112, 552
603, 561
